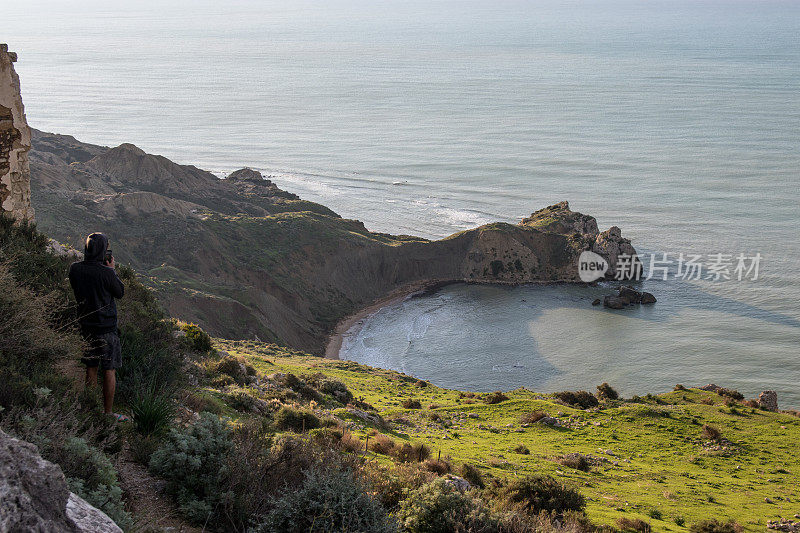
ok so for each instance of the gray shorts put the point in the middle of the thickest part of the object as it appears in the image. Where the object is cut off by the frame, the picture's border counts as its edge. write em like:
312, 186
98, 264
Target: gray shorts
105, 351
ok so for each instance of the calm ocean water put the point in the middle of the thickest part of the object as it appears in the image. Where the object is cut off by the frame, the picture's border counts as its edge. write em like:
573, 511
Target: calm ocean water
675, 120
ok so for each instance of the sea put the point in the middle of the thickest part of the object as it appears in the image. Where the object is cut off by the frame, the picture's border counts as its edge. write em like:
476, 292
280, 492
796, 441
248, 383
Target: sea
676, 120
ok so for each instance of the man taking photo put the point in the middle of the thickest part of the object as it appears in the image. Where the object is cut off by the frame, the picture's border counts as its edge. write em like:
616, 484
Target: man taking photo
96, 286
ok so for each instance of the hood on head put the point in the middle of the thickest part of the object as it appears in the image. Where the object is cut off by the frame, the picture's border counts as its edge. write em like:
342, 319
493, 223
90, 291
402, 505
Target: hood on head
95, 248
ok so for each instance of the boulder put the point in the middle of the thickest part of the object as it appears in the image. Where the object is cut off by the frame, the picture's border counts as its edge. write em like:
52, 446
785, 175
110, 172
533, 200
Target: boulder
597, 301
35, 495
648, 298
614, 302
89, 519
768, 400
458, 483
611, 245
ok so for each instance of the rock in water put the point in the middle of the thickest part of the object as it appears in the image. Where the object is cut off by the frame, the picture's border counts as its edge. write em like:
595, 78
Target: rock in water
768, 400
648, 298
35, 496
614, 302
597, 301
630, 294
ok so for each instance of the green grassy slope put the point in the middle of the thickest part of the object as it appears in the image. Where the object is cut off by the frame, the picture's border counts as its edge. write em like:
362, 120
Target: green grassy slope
648, 457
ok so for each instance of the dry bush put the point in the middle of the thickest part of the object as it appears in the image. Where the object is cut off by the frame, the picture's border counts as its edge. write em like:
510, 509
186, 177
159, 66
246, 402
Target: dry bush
466, 395
707, 400
710, 432
751, 403
468, 401
434, 406
580, 399
382, 444
606, 392
495, 397
574, 460
437, 466
411, 403
393, 484
633, 524
532, 417
522, 450
471, 474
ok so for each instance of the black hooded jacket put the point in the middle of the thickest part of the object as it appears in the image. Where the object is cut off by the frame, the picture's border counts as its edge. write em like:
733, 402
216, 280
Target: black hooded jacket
96, 286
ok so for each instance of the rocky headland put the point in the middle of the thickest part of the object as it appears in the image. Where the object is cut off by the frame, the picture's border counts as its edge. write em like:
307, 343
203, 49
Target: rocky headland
247, 260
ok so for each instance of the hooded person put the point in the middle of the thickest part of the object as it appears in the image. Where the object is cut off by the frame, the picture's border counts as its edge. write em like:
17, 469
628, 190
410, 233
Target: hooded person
97, 286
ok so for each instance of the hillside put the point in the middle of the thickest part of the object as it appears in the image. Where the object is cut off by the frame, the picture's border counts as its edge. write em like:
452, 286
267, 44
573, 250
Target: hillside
248, 260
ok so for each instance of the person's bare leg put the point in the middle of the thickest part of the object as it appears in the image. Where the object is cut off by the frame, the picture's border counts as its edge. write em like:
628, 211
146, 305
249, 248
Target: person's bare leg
109, 387
91, 377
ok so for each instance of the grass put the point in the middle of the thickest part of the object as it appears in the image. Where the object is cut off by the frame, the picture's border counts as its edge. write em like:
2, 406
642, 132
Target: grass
649, 455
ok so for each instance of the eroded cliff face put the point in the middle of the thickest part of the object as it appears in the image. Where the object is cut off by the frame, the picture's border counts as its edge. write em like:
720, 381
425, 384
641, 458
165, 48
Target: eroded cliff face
15, 141
247, 260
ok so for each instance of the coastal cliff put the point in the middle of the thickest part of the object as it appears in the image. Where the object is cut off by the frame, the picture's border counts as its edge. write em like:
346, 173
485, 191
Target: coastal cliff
246, 259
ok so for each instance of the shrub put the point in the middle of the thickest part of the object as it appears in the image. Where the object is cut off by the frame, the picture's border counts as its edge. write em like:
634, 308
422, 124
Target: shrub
606, 392
437, 466
680, 521
412, 452
297, 420
655, 514
196, 339
522, 450
193, 462
439, 506
150, 364
97, 483
328, 500
495, 397
633, 524
233, 367
581, 398
29, 340
534, 494
392, 485
575, 460
382, 444
715, 526
471, 474
710, 432
152, 411
706, 400
532, 417
333, 387
411, 403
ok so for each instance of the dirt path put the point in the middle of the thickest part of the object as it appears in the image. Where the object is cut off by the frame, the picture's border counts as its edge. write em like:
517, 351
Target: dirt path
152, 510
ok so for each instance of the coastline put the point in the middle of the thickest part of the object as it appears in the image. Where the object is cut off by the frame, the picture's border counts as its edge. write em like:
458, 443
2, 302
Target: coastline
356, 320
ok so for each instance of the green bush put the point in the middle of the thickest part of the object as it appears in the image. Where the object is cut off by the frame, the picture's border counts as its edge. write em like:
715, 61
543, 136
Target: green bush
328, 500
152, 411
93, 478
297, 420
196, 339
333, 387
534, 494
440, 507
148, 363
194, 461
581, 399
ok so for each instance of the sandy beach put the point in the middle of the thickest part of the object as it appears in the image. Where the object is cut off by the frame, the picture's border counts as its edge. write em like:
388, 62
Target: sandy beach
350, 325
